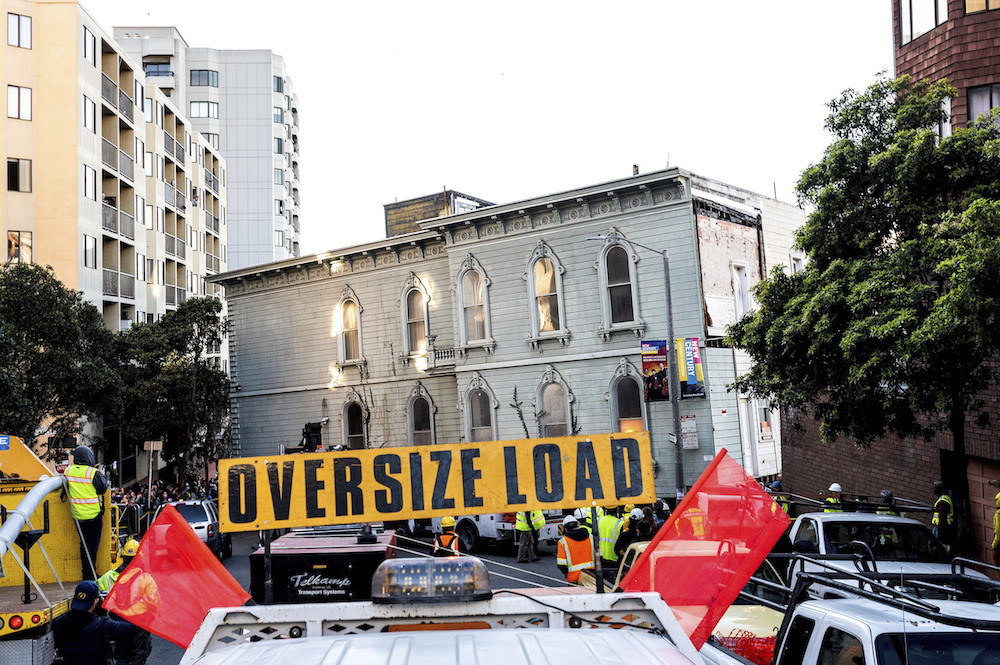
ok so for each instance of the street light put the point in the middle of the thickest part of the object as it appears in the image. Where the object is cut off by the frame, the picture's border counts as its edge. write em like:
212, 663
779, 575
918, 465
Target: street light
675, 384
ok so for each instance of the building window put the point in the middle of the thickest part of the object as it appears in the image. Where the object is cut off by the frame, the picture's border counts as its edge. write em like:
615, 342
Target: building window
19, 30
421, 410
18, 246
159, 115
89, 252
741, 291
204, 109
147, 110
917, 17
140, 267
982, 99
89, 114
348, 322
205, 77
278, 146
279, 176
89, 46
552, 404
628, 410
798, 264
279, 238
619, 289
617, 281
18, 102
157, 69
354, 430
472, 286
279, 114
279, 85
89, 183
279, 207
18, 175
544, 280
416, 337
138, 94
972, 6
213, 139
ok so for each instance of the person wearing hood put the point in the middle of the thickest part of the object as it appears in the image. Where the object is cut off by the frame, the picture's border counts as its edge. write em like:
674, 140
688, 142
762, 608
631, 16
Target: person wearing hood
86, 487
83, 638
574, 552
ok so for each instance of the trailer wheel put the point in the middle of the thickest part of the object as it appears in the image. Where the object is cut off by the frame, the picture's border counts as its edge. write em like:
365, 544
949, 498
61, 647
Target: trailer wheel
469, 535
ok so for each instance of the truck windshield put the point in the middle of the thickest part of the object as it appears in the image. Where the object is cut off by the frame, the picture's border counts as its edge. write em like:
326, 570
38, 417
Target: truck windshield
893, 542
938, 648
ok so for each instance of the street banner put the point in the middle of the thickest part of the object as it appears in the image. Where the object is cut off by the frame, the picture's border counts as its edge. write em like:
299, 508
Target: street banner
352, 486
692, 377
173, 581
655, 377
710, 546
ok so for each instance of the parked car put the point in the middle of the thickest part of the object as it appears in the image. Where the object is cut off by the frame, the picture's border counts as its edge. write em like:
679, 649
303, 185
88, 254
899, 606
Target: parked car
203, 516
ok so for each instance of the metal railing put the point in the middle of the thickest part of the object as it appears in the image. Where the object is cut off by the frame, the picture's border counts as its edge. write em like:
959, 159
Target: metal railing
171, 295
170, 243
125, 104
109, 153
168, 143
181, 249
109, 91
168, 194
126, 166
211, 181
109, 218
179, 152
126, 225
110, 283
127, 283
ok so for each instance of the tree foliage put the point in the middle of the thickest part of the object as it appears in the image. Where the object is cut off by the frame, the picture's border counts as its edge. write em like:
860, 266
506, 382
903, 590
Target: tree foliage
174, 391
893, 325
57, 359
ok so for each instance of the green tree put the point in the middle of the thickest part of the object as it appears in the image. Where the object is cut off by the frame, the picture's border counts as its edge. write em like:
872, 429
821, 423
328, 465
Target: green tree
57, 359
893, 326
174, 390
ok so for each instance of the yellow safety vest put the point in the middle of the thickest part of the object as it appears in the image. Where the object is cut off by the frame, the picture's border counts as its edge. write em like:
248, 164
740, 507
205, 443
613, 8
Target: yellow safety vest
950, 517
526, 521
608, 529
834, 506
83, 497
537, 520
107, 580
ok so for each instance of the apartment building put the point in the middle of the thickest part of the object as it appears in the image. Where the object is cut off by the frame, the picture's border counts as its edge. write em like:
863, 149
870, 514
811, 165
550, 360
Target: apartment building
515, 321
243, 102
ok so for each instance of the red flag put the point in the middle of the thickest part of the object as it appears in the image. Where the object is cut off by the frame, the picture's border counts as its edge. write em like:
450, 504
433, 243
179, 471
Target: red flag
719, 535
173, 581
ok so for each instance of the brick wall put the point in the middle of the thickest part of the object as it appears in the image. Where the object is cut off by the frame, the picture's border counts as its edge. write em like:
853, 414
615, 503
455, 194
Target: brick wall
404, 217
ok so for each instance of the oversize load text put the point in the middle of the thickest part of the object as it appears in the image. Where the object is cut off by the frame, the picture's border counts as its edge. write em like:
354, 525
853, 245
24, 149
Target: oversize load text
430, 481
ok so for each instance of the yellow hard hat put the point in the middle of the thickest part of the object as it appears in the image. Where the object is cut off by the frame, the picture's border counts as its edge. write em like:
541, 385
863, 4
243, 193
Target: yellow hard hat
447, 522
131, 547
629, 507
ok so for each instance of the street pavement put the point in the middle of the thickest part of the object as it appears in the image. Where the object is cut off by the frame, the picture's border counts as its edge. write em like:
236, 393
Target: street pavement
505, 573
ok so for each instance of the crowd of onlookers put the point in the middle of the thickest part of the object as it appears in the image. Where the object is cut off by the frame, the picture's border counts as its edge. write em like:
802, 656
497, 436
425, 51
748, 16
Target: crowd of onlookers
137, 504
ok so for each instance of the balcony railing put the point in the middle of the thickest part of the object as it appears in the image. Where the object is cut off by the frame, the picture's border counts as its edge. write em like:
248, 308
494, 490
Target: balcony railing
126, 225
110, 283
171, 295
181, 249
181, 295
211, 222
211, 181
109, 218
179, 152
109, 91
168, 194
179, 200
126, 166
109, 153
125, 105
127, 286
170, 245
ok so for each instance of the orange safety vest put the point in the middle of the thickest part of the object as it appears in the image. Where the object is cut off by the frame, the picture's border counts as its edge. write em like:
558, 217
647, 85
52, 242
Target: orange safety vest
576, 555
447, 544
144, 596
83, 496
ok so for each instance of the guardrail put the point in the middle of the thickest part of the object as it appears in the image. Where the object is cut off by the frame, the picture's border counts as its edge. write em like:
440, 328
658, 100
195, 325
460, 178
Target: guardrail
127, 284
125, 104
110, 283
109, 153
109, 91
125, 165
109, 218
126, 225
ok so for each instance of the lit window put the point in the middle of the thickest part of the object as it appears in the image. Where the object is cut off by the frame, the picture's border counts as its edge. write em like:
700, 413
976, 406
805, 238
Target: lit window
19, 30
355, 417
546, 296
420, 422
18, 102
205, 77
18, 175
350, 335
627, 405
18, 247
972, 6
416, 332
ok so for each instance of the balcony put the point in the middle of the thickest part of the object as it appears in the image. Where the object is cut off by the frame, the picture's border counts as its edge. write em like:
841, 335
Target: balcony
109, 218
171, 294
127, 286
211, 222
179, 152
179, 201
109, 153
109, 91
181, 249
168, 194
440, 358
181, 295
126, 166
171, 244
211, 181
110, 283
126, 225
125, 105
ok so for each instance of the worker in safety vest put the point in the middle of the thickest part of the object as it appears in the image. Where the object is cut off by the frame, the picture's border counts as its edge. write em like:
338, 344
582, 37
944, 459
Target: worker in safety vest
447, 543
582, 516
86, 487
775, 489
574, 552
527, 524
143, 604
609, 528
996, 530
888, 505
835, 502
943, 520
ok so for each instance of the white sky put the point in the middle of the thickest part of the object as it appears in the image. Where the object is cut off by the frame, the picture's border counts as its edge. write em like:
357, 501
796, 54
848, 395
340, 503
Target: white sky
511, 100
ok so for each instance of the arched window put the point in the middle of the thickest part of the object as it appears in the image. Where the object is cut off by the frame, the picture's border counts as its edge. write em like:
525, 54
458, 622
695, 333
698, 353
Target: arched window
347, 322
420, 412
355, 428
545, 295
414, 299
616, 272
479, 406
473, 302
552, 405
628, 409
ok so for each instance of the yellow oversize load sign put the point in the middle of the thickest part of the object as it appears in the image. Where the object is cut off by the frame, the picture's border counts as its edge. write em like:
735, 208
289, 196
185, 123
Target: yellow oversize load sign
431, 481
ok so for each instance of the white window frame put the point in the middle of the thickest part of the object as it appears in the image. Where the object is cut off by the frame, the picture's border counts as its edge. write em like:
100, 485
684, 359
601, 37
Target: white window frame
420, 392
348, 294
465, 405
740, 307
206, 106
551, 377
353, 397
544, 251
625, 371
414, 283
21, 97
471, 263
614, 238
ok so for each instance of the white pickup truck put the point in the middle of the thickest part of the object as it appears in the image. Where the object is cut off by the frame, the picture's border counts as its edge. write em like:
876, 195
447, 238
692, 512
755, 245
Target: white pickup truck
497, 528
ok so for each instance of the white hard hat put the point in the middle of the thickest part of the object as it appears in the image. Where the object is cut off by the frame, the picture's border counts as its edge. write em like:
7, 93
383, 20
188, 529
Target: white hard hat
569, 519
636, 514
580, 514
836, 488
